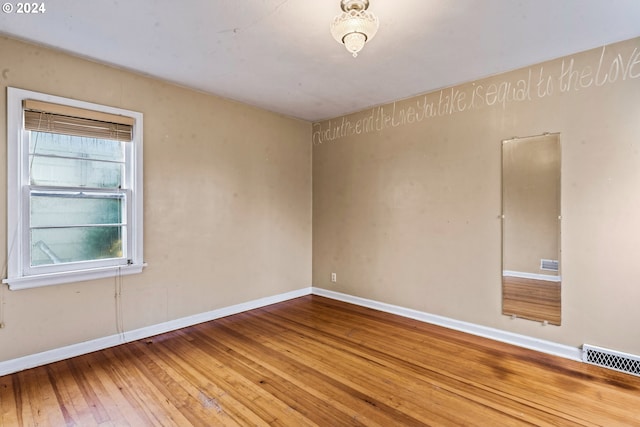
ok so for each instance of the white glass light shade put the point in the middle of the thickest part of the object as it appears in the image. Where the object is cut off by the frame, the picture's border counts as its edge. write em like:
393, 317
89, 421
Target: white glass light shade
354, 42
354, 28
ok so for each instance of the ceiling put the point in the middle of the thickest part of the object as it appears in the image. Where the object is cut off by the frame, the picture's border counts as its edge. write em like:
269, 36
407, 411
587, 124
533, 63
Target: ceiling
279, 54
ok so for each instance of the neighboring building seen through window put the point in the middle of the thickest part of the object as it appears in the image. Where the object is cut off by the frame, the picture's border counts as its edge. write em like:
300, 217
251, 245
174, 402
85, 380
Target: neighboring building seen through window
68, 223
75, 191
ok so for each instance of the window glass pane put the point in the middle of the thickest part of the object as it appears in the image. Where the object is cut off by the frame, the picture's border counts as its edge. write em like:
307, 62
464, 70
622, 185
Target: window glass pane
71, 161
62, 245
65, 209
63, 172
53, 144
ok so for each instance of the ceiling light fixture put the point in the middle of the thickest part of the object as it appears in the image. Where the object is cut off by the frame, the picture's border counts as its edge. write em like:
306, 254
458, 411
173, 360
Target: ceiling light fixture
354, 26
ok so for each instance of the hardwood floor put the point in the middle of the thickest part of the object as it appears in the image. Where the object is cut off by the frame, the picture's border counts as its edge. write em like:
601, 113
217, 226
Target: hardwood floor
315, 361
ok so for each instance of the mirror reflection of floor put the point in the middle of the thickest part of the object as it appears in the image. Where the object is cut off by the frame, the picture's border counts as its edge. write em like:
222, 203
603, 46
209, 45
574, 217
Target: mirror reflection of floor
531, 299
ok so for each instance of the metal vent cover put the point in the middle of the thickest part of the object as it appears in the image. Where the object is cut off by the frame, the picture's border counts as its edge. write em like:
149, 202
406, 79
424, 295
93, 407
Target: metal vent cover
549, 264
622, 362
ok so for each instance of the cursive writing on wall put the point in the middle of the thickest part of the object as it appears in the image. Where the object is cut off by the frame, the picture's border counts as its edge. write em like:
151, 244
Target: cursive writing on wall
537, 83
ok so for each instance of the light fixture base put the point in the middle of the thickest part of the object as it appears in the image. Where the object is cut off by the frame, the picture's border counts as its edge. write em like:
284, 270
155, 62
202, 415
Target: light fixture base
348, 5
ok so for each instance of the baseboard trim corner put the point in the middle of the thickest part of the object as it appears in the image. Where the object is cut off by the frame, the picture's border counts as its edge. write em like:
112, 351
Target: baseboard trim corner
519, 340
55, 355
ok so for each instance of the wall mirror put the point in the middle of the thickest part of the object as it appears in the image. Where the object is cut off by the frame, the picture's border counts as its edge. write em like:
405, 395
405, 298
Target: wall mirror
531, 279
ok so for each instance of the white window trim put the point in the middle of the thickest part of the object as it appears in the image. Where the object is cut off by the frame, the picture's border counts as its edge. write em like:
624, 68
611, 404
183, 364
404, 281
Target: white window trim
16, 277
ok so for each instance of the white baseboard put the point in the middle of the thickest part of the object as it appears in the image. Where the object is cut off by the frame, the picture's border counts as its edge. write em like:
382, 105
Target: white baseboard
534, 276
543, 346
55, 355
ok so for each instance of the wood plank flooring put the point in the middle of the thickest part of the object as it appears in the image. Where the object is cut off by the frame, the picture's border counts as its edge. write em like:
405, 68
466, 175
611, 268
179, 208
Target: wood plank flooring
313, 361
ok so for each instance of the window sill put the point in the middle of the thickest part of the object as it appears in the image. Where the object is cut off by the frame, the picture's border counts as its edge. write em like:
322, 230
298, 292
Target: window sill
36, 281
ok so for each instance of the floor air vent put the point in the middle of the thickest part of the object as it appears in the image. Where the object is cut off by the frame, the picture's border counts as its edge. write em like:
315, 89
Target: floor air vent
611, 359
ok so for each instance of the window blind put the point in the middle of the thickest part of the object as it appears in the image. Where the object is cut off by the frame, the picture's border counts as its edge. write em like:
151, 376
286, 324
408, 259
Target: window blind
54, 118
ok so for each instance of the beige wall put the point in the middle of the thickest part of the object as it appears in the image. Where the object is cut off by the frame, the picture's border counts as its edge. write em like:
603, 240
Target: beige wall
407, 196
406, 200
227, 198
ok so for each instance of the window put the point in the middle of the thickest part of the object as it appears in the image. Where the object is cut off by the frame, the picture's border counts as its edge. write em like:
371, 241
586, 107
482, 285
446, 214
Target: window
74, 190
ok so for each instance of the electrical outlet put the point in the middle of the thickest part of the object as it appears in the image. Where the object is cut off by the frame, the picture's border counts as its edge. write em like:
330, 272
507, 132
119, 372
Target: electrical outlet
334, 277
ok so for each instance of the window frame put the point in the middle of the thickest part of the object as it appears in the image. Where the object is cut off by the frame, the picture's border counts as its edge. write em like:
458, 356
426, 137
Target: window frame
20, 274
